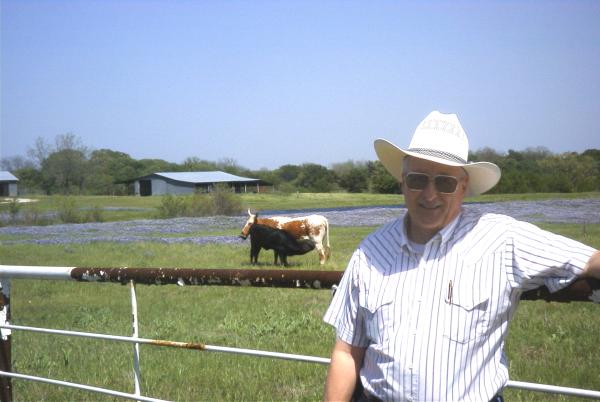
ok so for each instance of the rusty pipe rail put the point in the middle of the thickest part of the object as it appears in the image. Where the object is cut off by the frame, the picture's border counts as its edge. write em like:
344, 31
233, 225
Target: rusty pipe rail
172, 344
582, 289
180, 276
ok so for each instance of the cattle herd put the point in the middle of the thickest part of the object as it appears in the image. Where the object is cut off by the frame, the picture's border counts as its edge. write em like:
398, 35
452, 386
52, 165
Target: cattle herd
287, 236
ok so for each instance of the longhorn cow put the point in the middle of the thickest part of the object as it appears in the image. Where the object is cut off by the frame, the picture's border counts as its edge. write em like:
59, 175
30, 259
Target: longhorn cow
313, 227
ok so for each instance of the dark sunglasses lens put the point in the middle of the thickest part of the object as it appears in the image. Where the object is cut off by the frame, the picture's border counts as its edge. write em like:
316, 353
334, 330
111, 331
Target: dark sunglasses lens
445, 184
416, 181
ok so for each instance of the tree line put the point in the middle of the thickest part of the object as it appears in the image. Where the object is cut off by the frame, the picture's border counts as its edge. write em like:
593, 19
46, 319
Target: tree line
69, 167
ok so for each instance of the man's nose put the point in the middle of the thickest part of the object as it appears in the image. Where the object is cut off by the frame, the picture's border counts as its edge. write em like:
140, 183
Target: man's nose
429, 192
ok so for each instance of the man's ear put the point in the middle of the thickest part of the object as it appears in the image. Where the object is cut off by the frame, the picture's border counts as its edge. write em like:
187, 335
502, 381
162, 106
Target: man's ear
464, 183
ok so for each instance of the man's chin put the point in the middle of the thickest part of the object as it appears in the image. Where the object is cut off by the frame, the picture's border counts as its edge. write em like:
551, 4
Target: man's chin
430, 217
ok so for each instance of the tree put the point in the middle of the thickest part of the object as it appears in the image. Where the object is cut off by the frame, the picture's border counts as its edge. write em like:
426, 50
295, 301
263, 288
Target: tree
30, 180
70, 141
194, 164
315, 178
149, 166
352, 176
14, 163
595, 155
64, 172
486, 154
40, 151
109, 172
382, 181
570, 172
288, 173
229, 165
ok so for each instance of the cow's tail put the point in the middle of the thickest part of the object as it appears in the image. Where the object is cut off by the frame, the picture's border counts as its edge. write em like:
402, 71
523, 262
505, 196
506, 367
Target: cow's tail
327, 247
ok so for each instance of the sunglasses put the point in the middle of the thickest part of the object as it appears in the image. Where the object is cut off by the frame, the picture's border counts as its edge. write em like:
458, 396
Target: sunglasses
419, 181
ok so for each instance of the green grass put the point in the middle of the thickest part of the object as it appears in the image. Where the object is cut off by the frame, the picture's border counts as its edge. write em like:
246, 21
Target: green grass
149, 254
236, 317
549, 343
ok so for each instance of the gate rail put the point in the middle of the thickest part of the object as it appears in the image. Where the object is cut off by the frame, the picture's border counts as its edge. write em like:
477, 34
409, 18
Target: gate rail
580, 290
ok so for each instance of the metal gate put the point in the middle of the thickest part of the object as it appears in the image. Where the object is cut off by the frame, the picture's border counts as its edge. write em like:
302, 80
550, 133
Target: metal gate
581, 290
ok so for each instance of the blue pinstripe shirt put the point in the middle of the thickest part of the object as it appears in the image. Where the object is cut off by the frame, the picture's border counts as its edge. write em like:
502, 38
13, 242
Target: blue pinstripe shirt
434, 323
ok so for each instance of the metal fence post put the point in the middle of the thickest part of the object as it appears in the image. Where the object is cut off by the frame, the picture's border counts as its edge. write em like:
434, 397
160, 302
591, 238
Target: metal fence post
136, 346
5, 342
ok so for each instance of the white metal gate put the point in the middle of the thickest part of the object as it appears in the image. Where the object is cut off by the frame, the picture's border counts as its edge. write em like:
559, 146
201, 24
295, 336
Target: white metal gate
585, 290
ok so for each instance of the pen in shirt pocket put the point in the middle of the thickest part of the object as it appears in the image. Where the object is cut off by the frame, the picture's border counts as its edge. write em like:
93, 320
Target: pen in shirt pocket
450, 290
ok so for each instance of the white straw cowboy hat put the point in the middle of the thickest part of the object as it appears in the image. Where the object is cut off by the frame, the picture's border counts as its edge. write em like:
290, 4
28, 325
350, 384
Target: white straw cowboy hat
440, 138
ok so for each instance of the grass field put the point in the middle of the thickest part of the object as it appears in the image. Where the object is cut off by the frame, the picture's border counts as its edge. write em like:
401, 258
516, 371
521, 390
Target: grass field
548, 343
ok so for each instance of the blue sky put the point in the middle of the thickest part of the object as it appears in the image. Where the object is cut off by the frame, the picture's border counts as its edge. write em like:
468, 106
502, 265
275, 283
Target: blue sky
267, 83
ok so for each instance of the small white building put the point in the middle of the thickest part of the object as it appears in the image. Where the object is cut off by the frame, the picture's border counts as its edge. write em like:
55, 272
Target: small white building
8, 184
192, 182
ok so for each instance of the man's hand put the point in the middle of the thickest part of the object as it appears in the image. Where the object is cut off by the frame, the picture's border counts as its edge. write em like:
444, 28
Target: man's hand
592, 268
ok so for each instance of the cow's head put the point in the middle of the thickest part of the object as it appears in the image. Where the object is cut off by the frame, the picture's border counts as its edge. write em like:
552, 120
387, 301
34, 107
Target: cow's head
246, 229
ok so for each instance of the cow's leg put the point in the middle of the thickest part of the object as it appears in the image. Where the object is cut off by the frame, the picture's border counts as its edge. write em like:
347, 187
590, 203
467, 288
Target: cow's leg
275, 257
283, 258
254, 251
322, 253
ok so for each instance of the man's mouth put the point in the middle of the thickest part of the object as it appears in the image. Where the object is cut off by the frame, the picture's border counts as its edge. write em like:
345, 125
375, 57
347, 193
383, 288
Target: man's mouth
430, 207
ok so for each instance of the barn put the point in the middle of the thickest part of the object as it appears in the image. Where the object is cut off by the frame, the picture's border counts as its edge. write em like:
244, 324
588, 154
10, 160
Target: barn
193, 182
8, 184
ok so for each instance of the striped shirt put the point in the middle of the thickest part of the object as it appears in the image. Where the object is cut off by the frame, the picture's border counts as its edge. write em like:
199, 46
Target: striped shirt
434, 323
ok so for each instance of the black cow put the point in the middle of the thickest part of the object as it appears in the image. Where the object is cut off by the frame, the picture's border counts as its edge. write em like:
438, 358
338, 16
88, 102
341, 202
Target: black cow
281, 242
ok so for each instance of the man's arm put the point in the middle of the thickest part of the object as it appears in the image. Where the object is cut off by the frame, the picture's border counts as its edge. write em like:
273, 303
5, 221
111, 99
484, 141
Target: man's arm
342, 375
592, 268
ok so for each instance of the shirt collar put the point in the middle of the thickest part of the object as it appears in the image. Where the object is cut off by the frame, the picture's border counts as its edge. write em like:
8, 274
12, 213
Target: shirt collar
443, 235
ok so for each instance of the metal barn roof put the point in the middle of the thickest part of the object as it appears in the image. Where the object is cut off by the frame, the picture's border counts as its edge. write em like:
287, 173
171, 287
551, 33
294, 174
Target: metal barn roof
205, 177
7, 176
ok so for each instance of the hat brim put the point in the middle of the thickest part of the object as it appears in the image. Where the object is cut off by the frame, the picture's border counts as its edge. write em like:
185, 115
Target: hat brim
482, 175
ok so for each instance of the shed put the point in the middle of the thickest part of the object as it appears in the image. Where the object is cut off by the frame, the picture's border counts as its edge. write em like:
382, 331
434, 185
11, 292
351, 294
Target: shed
8, 184
192, 182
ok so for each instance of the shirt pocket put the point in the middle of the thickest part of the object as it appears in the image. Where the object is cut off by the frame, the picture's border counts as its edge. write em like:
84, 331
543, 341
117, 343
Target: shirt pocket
466, 315
377, 311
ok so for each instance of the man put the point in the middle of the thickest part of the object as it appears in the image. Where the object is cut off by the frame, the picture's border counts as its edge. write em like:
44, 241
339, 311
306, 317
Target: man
422, 310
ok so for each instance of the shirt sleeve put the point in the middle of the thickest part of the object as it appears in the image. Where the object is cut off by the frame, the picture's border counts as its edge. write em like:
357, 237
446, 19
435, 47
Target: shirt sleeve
344, 313
541, 258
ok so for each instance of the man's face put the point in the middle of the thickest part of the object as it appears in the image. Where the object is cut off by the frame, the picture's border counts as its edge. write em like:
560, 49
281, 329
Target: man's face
429, 209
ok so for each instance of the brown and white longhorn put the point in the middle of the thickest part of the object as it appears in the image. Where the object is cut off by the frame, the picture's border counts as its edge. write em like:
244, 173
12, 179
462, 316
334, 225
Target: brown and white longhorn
313, 227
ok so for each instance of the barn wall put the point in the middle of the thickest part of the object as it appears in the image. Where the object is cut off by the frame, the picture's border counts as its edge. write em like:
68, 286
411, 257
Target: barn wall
178, 188
8, 189
159, 187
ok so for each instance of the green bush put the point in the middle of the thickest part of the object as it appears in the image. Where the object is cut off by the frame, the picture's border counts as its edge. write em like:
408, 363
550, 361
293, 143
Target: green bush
199, 205
68, 211
221, 201
224, 202
172, 206
13, 209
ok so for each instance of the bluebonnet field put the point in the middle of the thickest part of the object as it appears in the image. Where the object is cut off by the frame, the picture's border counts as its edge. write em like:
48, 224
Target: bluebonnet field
219, 229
